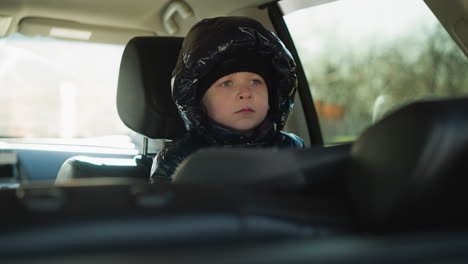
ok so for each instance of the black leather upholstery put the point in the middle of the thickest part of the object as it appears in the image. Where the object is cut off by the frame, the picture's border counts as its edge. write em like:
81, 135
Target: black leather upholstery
144, 104
316, 166
409, 171
144, 100
240, 167
80, 167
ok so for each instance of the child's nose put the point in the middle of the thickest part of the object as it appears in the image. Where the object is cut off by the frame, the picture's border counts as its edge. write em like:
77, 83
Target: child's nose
244, 93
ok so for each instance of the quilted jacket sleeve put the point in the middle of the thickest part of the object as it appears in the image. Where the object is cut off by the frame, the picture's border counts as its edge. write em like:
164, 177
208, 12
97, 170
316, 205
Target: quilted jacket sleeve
169, 158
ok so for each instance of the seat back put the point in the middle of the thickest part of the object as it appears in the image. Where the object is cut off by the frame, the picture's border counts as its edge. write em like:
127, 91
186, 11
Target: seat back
144, 100
85, 167
408, 171
144, 104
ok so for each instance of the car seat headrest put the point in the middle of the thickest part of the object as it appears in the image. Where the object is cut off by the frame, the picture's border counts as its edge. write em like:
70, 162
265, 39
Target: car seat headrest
144, 100
239, 166
409, 171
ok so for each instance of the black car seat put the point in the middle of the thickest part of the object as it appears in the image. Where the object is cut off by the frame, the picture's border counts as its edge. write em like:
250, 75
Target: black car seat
144, 104
408, 172
405, 173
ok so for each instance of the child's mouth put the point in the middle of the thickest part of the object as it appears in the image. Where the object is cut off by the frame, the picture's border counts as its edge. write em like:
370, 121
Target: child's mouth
246, 110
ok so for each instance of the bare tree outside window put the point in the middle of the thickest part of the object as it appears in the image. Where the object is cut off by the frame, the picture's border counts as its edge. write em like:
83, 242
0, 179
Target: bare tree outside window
363, 74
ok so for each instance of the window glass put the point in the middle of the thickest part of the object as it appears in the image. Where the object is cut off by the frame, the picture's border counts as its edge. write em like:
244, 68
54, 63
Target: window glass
59, 89
366, 58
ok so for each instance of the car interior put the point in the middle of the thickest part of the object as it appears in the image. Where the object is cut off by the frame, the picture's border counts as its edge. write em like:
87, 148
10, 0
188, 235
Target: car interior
394, 193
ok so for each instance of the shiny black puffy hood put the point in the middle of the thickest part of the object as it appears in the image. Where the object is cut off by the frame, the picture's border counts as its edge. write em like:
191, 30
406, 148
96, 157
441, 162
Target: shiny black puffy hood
211, 41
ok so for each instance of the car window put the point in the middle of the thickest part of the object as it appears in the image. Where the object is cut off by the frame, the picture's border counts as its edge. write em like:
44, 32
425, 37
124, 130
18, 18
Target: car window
366, 58
58, 89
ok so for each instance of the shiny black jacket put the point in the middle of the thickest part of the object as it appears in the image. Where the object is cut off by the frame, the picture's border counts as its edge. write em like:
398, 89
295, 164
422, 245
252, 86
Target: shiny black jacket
209, 42
216, 135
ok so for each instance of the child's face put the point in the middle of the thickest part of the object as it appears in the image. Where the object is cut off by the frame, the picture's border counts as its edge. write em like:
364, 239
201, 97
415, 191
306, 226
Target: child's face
238, 100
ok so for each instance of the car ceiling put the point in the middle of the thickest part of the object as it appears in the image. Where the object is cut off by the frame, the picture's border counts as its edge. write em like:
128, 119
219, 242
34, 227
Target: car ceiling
117, 21
110, 18
453, 15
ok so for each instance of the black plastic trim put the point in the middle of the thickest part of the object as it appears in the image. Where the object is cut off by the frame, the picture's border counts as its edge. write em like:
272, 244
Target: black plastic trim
276, 17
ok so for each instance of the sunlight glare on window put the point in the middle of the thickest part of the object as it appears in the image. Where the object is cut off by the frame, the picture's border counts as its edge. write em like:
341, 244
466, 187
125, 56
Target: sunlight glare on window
59, 89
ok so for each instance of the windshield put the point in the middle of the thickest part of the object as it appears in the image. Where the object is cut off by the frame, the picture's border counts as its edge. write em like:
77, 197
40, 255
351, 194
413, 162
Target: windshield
58, 89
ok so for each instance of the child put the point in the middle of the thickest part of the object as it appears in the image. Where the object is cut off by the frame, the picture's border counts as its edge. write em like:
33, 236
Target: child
234, 85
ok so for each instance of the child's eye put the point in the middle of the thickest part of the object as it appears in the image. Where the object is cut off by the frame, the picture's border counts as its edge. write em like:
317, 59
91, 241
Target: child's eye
256, 81
226, 83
